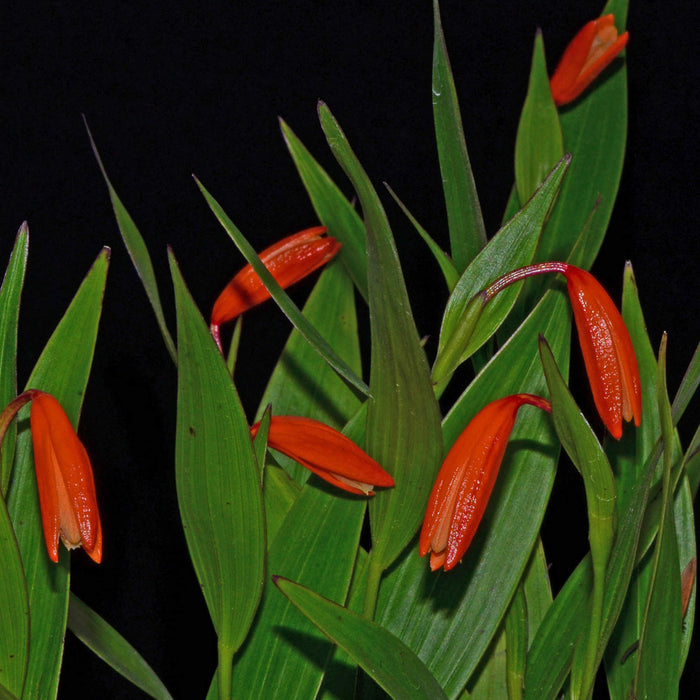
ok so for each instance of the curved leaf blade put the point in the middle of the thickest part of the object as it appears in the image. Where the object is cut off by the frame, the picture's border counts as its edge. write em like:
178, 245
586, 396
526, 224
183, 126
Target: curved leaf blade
217, 478
62, 370
102, 639
411, 449
384, 657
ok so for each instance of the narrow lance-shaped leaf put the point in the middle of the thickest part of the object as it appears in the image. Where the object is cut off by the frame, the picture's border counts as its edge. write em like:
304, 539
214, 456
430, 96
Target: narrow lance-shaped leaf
102, 639
449, 270
302, 383
333, 209
587, 455
512, 247
538, 145
466, 223
317, 544
658, 662
14, 602
290, 309
382, 656
62, 370
403, 420
218, 483
462, 609
138, 252
14, 608
10, 295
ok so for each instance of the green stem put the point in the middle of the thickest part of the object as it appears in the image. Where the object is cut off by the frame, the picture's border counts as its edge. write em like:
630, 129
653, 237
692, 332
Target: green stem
374, 577
225, 673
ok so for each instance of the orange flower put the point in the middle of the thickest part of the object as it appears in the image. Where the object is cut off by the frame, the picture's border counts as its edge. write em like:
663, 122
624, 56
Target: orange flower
588, 54
607, 349
326, 452
64, 477
288, 260
466, 479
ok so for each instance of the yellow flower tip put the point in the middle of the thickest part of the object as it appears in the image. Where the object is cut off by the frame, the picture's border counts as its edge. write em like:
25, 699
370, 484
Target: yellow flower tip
288, 260
326, 452
466, 479
590, 52
64, 479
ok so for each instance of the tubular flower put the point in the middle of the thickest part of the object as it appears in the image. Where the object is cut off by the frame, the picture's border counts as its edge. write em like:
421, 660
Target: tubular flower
589, 53
607, 349
326, 452
288, 260
466, 479
65, 481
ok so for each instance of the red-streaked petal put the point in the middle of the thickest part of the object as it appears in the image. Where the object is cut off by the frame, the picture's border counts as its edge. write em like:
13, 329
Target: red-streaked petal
466, 479
608, 353
325, 451
288, 260
589, 53
60, 455
45, 467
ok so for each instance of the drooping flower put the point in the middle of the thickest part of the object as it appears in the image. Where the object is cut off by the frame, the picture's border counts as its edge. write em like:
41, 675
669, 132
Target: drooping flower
64, 478
288, 260
326, 452
466, 479
588, 54
608, 353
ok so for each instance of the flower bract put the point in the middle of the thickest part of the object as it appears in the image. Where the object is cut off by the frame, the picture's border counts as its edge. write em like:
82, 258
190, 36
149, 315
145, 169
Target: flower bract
588, 54
466, 479
326, 452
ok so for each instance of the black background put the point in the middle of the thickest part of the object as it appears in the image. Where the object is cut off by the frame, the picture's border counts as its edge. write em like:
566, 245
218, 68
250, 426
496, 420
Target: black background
170, 90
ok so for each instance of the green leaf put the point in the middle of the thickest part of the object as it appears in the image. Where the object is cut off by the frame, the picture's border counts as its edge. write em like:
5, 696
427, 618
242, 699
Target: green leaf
113, 649
138, 252
5, 694
689, 385
10, 295
14, 603
333, 209
405, 441
466, 224
449, 271
658, 662
552, 649
218, 483
383, 657
490, 680
538, 145
285, 655
14, 608
449, 619
588, 457
311, 335
302, 383
62, 370
512, 247
516, 630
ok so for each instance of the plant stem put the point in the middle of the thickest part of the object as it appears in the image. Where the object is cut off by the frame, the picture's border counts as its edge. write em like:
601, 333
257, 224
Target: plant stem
374, 577
225, 673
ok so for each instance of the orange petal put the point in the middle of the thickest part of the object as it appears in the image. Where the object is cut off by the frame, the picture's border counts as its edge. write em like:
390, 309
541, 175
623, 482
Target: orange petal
608, 353
288, 260
326, 452
588, 54
65, 482
466, 479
